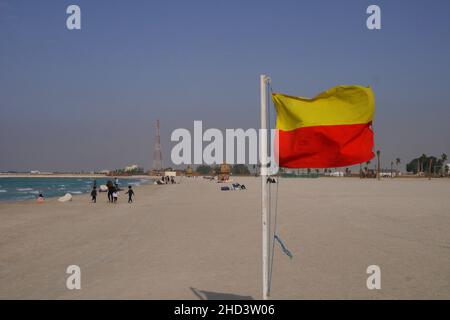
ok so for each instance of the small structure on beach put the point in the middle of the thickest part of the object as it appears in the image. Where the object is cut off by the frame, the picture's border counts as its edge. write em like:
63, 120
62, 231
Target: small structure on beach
170, 173
189, 171
224, 172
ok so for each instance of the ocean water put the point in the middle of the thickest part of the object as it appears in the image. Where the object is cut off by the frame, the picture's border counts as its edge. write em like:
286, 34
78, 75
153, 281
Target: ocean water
16, 189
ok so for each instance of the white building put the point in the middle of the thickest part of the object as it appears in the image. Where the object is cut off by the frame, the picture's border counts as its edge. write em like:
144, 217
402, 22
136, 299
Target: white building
335, 174
131, 168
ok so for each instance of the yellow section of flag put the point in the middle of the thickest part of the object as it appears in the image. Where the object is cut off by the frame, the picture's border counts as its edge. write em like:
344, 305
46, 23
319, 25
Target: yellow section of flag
341, 105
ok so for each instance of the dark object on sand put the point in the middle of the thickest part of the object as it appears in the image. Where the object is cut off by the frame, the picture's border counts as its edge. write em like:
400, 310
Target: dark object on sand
271, 180
226, 188
237, 186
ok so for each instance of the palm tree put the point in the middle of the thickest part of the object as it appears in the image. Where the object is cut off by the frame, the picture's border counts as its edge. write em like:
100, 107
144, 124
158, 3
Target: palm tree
443, 159
422, 161
430, 163
392, 169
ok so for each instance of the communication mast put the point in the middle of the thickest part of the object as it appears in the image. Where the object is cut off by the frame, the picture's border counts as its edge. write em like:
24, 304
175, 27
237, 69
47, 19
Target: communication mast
157, 154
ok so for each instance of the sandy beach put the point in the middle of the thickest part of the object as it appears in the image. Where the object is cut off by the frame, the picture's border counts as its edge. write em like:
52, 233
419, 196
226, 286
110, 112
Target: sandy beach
192, 241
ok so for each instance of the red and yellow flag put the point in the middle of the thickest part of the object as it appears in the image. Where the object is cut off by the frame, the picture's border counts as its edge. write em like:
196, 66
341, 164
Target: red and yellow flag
330, 130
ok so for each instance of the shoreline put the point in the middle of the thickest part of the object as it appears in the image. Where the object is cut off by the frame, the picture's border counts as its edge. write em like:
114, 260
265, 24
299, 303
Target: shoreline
70, 175
150, 181
54, 199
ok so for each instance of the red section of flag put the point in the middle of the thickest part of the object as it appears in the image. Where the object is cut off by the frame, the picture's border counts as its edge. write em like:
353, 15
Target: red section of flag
326, 146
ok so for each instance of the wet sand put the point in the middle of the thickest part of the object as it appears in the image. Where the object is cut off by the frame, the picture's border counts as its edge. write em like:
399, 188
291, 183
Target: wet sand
191, 241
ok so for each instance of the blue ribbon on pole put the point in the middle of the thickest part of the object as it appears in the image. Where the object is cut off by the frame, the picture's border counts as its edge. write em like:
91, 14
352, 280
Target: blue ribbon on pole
283, 247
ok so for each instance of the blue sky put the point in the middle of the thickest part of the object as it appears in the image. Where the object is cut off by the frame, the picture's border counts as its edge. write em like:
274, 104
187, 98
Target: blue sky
88, 99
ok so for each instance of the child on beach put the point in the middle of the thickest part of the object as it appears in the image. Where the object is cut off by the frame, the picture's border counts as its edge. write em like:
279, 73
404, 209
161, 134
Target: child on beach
115, 196
94, 194
130, 193
40, 198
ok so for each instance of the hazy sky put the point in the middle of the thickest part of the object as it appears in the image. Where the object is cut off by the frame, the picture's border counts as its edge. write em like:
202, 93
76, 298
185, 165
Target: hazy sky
88, 99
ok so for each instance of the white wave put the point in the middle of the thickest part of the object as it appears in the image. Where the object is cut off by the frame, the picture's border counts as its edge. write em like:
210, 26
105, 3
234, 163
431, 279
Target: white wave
25, 197
34, 192
75, 192
2, 191
24, 189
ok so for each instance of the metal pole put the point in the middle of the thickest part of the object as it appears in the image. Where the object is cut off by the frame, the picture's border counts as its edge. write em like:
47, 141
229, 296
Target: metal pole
378, 164
264, 196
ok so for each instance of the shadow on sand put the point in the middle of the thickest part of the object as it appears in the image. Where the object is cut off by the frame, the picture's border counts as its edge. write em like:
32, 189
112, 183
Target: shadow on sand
209, 295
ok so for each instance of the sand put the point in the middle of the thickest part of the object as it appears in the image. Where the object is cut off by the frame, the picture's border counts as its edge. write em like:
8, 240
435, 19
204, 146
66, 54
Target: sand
192, 241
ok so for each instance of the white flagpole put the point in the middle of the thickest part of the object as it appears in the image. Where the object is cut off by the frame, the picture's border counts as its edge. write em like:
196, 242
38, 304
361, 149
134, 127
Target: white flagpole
263, 159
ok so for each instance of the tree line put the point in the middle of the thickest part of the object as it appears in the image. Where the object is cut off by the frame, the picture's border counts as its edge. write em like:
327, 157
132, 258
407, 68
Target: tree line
237, 169
430, 164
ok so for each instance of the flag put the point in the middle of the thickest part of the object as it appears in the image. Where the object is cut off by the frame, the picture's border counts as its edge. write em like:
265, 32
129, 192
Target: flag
330, 130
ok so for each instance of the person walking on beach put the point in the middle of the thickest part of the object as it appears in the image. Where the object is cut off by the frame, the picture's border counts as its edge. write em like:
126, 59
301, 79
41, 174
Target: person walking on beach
116, 183
130, 193
110, 187
94, 194
115, 195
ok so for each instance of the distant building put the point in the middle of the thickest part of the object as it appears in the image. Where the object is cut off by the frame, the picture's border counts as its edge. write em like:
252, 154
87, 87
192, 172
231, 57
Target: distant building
133, 167
335, 174
387, 174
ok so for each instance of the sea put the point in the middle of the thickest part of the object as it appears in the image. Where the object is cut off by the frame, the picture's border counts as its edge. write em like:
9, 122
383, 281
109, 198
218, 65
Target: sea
18, 189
